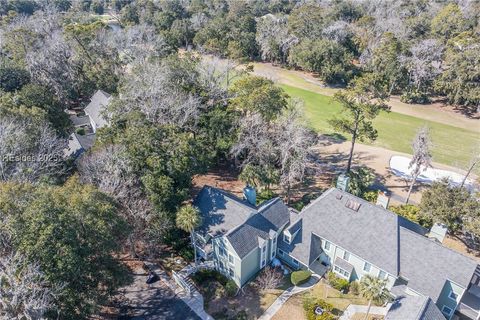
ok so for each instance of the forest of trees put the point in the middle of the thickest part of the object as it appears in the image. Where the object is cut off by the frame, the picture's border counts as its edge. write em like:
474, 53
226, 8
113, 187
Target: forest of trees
177, 115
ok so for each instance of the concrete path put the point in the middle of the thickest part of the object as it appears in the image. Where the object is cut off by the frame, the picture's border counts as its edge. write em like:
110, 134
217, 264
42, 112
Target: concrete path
277, 304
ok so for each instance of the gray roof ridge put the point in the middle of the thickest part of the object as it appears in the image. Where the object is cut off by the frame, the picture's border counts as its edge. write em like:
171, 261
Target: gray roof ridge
266, 204
231, 196
318, 199
439, 244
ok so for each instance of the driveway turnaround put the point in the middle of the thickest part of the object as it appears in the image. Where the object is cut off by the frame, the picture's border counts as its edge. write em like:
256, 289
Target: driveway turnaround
156, 301
163, 305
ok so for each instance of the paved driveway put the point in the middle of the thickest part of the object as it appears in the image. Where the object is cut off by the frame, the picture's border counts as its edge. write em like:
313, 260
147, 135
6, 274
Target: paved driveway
153, 302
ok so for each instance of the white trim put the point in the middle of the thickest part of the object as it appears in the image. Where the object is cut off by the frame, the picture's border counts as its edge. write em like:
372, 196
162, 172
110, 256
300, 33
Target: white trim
386, 274
345, 276
365, 263
346, 255
327, 243
285, 236
357, 256
453, 299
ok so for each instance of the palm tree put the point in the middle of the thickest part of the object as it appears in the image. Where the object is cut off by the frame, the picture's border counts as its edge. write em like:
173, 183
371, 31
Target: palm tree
188, 218
373, 289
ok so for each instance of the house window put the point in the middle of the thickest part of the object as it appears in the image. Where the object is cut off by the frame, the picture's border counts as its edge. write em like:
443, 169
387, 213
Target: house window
264, 262
230, 258
222, 266
447, 312
264, 248
222, 251
231, 272
346, 255
295, 262
327, 246
453, 296
275, 240
341, 272
273, 254
382, 274
366, 267
280, 252
286, 238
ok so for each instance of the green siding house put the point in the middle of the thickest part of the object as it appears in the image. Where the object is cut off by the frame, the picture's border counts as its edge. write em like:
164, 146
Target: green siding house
344, 234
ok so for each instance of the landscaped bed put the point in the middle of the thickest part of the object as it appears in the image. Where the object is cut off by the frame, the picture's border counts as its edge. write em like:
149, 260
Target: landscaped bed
248, 303
293, 308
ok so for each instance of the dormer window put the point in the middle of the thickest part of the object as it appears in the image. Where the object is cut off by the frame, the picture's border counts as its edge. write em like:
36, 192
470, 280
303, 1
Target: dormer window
286, 238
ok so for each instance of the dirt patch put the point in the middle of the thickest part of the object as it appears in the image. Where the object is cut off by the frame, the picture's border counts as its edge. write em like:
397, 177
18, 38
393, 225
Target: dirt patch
333, 156
457, 244
292, 309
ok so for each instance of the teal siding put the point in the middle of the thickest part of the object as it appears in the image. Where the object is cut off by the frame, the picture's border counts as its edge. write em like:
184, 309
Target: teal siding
444, 300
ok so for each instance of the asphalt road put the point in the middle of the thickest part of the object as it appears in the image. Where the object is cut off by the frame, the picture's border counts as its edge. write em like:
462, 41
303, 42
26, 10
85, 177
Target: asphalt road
152, 302
163, 305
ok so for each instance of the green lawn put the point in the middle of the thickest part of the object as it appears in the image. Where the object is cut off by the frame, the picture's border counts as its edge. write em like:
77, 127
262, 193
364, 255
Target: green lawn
451, 145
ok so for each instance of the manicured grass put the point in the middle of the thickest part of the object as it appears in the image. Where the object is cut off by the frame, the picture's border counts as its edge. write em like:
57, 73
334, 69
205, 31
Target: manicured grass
451, 145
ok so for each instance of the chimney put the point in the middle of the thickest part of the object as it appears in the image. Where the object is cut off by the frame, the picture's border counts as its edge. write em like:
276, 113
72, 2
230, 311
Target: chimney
250, 195
342, 182
438, 232
383, 199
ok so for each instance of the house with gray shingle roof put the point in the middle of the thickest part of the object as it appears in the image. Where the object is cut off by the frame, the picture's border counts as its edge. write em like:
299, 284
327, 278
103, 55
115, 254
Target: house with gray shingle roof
353, 238
239, 236
95, 109
344, 234
89, 123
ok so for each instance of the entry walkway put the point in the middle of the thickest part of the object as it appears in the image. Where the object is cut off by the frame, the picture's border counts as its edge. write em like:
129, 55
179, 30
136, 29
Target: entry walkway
277, 304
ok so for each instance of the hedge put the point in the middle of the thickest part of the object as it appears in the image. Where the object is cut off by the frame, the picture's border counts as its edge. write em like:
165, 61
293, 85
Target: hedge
299, 277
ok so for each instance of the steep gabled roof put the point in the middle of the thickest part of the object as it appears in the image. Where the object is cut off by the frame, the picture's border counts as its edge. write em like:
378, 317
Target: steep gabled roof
272, 216
221, 211
382, 238
96, 106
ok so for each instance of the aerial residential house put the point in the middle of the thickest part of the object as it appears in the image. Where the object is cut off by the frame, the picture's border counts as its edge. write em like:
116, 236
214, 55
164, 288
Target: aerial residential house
94, 110
354, 237
86, 125
238, 235
349, 236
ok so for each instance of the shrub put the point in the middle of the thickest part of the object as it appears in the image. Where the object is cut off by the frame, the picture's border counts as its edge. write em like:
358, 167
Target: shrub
337, 283
81, 131
370, 196
265, 195
412, 213
203, 276
231, 288
354, 288
300, 276
310, 304
415, 96
186, 253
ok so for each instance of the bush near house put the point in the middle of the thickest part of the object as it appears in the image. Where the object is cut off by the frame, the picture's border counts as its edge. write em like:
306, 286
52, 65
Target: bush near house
354, 288
300, 276
231, 288
337, 282
310, 304
202, 276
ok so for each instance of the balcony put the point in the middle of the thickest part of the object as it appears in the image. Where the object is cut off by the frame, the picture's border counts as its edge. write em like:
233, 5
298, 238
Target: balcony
469, 306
